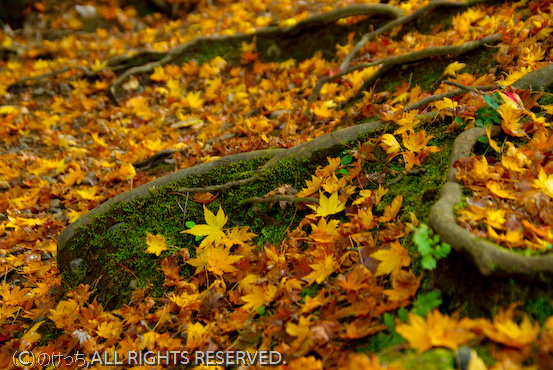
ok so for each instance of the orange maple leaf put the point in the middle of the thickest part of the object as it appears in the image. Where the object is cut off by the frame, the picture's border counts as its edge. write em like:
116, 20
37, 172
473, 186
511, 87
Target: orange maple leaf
204, 198
322, 269
390, 212
220, 261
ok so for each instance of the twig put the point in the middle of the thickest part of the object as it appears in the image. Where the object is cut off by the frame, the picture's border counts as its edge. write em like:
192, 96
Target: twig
457, 84
162, 155
85, 70
281, 198
416, 171
221, 187
448, 94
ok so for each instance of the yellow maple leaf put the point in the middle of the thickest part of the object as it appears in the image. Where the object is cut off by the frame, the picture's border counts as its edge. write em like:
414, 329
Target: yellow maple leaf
98, 140
213, 230
260, 296
156, 244
30, 337
511, 120
390, 144
415, 141
391, 259
479, 170
446, 103
492, 142
220, 261
126, 171
160, 74
200, 261
324, 109
185, 299
506, 331
194, 100
496, 189
97, 66
110, 329
89, 193
436, 330
544, 183
322, 269
390, 212
453, 68
327, 206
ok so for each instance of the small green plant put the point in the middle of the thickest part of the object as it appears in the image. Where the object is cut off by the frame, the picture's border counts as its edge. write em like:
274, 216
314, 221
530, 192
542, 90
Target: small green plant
488, 115
426, 302
429, 247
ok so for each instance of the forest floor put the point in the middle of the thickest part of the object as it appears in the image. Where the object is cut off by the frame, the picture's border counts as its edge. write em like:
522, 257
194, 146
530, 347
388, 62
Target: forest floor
313, 139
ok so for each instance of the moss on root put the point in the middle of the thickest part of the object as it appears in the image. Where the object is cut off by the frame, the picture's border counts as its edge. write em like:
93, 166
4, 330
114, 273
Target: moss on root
112, 247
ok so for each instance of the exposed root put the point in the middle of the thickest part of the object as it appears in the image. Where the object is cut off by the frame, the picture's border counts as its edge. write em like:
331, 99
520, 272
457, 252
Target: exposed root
490, 258
427, 53
158, 157
391, 62
274, 31
449, 94
21, 81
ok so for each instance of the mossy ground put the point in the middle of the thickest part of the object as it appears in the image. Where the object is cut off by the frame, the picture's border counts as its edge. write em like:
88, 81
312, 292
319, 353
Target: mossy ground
119, 252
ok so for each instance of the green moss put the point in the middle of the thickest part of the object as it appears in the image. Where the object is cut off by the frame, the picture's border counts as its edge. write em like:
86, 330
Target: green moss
114, 243
540, 308
48, 333
311, 291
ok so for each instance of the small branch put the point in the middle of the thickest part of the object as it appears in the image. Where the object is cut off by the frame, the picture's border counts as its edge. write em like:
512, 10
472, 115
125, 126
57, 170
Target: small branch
413, 172
448, 94
281, 198
461, 86
85, 70
164, 154
226, 186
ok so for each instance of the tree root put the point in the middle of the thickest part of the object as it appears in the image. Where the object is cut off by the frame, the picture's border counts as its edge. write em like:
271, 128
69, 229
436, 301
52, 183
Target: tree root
21, 81
449, 94
490, 258
164, 154
391, 62
401, 21
427, 53
126, 61
274, 31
